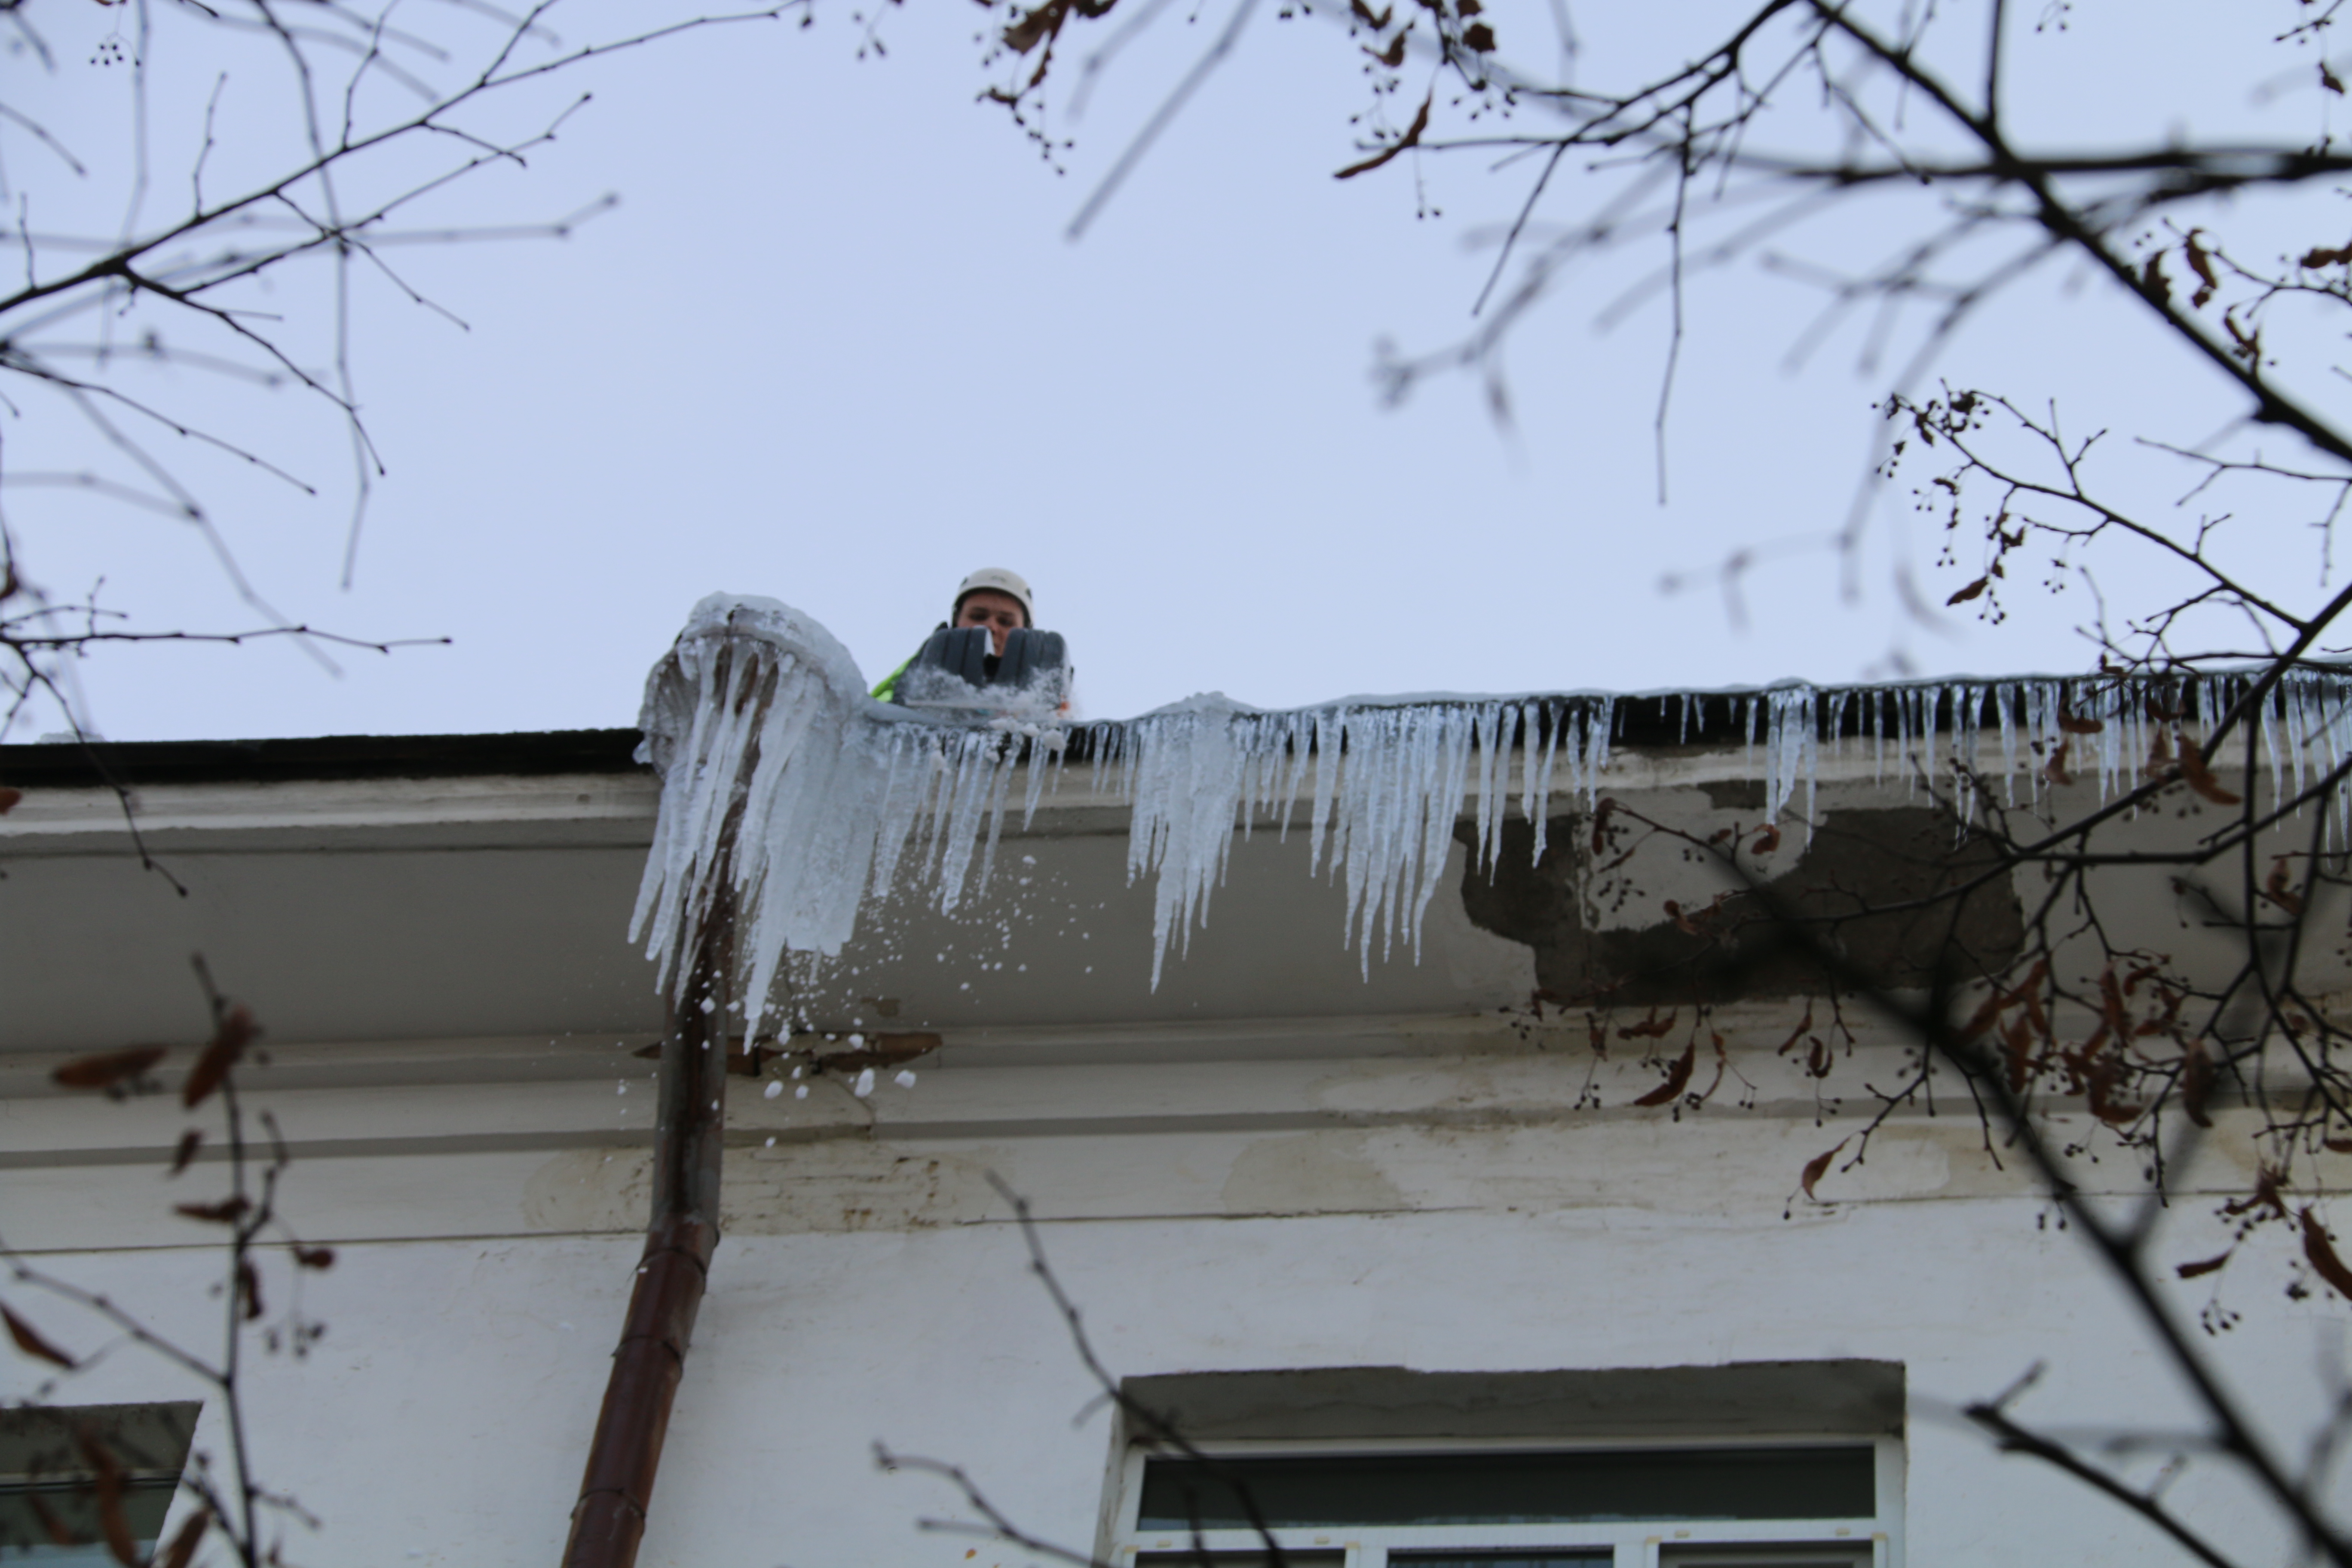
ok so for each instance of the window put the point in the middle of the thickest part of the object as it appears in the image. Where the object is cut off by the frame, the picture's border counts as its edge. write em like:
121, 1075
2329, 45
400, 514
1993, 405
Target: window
47, 1487
1788, 1466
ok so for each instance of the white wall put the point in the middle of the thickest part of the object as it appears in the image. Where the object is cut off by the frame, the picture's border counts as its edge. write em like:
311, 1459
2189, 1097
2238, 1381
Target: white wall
444, 1417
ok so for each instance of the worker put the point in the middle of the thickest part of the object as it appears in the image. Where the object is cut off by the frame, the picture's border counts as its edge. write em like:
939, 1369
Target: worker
999, 601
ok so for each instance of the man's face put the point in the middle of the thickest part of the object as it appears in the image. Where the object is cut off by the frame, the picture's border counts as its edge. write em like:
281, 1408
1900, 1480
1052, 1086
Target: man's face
1000, 613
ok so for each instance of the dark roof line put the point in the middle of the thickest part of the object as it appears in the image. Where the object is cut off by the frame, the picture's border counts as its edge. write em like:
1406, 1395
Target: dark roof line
134, 763
1646, 720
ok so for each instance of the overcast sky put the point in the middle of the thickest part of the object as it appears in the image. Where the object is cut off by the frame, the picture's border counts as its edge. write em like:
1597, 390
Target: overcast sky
835, 346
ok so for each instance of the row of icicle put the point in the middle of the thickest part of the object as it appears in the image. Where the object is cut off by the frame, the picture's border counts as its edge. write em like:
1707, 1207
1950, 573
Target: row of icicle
780, 776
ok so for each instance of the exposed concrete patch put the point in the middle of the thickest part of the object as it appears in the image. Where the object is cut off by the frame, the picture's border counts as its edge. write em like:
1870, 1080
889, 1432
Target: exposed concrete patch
1857, 861
1476, 962
853, 1184
590, 1189
1312, 1173
1734, 795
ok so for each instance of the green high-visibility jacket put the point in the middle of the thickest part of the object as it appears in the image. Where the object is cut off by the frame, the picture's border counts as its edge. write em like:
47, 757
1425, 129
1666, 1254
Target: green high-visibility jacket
888, 684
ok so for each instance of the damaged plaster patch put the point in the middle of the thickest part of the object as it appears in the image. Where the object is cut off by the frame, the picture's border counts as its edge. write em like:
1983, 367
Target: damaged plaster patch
853, 1183
1312, 1173
590, 1189
1856, 862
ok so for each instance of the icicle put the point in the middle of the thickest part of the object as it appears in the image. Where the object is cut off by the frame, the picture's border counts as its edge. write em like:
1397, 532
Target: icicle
1187, 790
1535, 797
1902, 699
1812, 761
1327, 783
2274, 721
1967, 714
2042, 726
1926, 698
1596, 755
1487, 727
2298, 729
2001, 700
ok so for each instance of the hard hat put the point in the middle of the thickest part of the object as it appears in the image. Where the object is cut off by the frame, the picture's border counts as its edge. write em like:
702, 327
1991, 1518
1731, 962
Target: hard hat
997, 580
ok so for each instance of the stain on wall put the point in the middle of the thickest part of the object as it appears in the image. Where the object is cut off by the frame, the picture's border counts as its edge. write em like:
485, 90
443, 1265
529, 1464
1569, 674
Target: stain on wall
1313, 1172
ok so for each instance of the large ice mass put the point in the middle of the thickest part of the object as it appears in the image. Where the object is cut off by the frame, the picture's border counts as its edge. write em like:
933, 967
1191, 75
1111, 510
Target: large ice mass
785, 785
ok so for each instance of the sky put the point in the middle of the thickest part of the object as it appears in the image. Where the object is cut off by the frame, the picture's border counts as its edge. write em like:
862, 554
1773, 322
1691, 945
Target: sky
835, 345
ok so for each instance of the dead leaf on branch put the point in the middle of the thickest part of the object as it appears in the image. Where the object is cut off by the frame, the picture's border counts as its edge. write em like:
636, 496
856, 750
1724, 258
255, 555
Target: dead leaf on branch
2197, 1084
106, 1484
1678, 1078
2055, 770
237, 1031
2201, 777
1988, 1013
2201, 262
1817, 1167
2265, 1195
1970, 591
1411, 137
2275, 889
2202, 1266
2018, 1042
30, 1340
107, 1068
2321, 1253
51, 1525
184, 1545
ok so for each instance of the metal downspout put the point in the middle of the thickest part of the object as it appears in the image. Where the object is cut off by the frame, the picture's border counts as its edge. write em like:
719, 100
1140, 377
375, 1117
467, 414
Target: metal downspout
617, 1486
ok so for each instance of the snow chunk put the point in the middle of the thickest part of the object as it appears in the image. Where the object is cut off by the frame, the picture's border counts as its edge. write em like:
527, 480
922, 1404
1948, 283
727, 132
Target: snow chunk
785, 786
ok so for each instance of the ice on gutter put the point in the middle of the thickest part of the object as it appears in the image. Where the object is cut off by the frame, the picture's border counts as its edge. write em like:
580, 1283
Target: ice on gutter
785, 785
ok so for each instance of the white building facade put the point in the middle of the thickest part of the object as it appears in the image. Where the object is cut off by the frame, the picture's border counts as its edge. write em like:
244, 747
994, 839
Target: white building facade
1386, 1236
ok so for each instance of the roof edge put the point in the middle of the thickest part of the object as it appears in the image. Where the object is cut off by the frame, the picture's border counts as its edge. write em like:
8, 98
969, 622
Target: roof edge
131, 764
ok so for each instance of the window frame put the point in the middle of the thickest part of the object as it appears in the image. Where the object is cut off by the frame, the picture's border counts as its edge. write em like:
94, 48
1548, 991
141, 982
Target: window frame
1633, 1543
152, 1441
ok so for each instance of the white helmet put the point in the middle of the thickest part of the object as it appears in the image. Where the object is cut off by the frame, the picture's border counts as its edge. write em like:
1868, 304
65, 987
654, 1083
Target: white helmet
997, 580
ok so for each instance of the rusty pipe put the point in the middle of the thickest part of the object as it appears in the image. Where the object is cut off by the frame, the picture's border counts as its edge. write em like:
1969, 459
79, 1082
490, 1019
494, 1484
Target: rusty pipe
616, 1487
